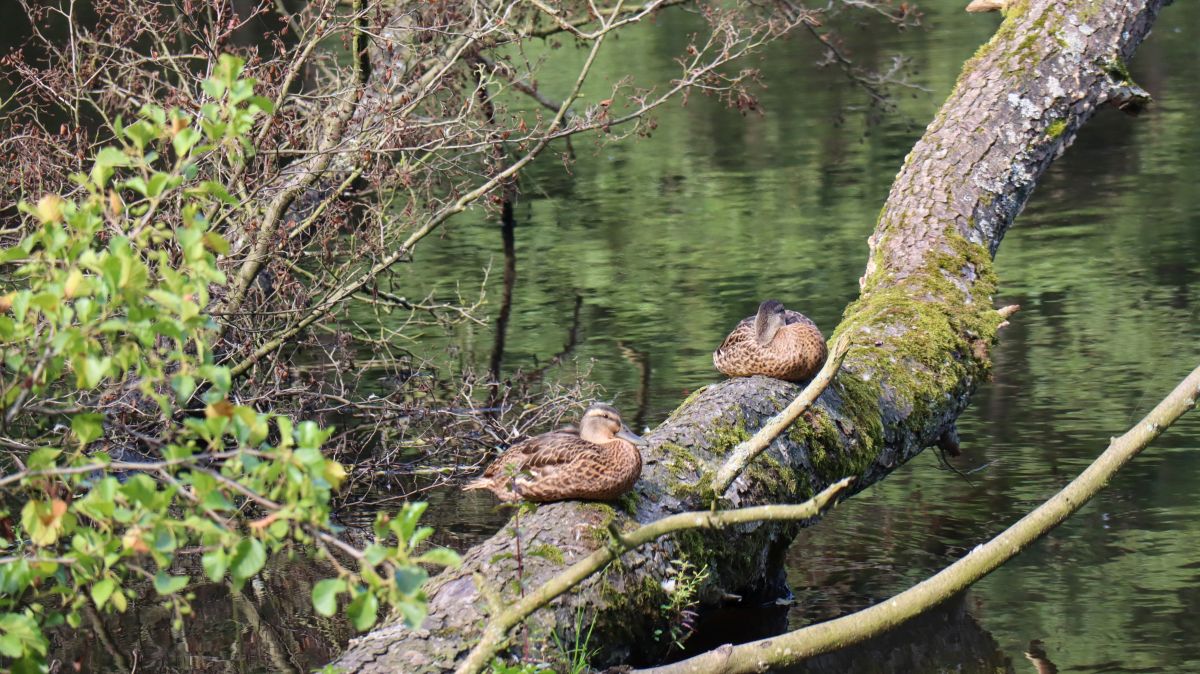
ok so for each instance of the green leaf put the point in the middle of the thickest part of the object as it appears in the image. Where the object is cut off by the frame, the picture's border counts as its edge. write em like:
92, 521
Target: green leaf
142, 490
102, 590
362, 611
184, 385
94, 370
106, 160
20, 635
410, 578
310, 436
324, 595
441, 557
184, 141
154, 113
137, 184
163, 539
42, 458
248, 559
219, 376
142, 133
168, 584
374, 554
215, 563
262, 103
414, 612
216, 243
87, 426
119, 601
418, 536
406, 523
159, 182
213, 88
218, 190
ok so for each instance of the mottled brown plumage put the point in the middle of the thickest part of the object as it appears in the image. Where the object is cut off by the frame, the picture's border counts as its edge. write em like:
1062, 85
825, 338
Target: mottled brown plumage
774, 342
600, 461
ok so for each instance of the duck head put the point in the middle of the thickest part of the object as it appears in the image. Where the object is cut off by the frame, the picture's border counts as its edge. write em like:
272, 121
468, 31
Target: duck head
602, 423
771, 316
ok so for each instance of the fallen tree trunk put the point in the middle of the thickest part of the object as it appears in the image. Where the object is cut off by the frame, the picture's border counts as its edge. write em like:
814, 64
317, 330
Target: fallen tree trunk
919, 339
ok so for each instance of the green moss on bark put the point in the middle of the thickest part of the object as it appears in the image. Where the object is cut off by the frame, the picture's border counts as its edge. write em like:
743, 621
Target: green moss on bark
941, 331
723, 438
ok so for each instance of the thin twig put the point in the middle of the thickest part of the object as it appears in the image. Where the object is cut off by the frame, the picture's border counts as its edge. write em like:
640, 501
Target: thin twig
497, 629
745, 452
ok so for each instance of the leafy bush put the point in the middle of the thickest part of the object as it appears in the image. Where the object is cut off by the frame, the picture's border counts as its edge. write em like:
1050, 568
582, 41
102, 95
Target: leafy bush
124, 438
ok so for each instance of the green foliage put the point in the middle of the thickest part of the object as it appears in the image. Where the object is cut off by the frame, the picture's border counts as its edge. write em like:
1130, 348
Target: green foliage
576, 655
107, 303
683, 590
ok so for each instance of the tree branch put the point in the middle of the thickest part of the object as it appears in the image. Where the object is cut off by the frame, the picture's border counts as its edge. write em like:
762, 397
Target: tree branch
744, 453
498, 627
807, 642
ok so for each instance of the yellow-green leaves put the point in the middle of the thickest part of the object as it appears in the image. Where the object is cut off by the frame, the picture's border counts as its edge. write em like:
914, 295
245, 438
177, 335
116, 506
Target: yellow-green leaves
50, 208
44, 521
20, 636
102, 590
107, 322
87, 426
165, 583
363, 611
106, 162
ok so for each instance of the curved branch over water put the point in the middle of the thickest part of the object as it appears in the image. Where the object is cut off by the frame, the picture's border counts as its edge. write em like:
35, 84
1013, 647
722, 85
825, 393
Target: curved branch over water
831, 635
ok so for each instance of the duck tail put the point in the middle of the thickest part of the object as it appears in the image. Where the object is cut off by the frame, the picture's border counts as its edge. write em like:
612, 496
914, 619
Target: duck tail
479, 483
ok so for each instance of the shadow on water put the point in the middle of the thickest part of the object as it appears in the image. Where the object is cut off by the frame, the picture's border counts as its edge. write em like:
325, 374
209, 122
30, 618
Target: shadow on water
947, 639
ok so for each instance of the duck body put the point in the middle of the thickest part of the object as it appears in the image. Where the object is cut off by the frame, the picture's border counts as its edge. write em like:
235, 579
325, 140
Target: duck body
600, 461
775, 342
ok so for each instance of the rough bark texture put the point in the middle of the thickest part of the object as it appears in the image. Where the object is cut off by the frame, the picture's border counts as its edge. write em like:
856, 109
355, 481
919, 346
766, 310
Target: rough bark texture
921, 333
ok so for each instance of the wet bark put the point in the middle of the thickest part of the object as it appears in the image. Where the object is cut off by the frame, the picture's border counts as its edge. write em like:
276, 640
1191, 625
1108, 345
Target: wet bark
920, 335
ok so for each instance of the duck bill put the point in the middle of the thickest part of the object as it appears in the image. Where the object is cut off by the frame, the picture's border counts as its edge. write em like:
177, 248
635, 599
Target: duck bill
626, 434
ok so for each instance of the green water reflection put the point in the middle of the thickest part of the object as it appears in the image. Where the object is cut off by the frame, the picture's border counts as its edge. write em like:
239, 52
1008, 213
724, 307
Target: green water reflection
670, 240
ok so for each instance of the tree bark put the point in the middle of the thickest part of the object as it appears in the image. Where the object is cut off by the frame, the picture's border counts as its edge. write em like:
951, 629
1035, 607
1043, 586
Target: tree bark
919, 335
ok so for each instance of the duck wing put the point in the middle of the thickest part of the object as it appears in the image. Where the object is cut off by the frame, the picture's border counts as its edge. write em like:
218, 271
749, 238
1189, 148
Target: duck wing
547, 449
740, 332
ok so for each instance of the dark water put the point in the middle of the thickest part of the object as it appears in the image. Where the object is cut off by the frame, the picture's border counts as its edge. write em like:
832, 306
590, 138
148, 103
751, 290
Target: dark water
672, 239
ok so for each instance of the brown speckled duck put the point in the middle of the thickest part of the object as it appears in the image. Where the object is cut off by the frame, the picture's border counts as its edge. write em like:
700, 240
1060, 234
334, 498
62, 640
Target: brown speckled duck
600, 461
774, 342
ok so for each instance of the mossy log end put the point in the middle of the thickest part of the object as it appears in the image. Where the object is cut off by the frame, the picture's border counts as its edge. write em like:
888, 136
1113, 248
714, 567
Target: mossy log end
920, 336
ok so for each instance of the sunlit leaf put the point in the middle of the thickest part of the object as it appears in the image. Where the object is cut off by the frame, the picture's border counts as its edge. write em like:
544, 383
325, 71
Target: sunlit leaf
102, 590
87, 426
441, 557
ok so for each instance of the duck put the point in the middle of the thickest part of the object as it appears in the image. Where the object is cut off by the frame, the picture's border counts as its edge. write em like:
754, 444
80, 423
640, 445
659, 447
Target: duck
775, 342
599, 461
